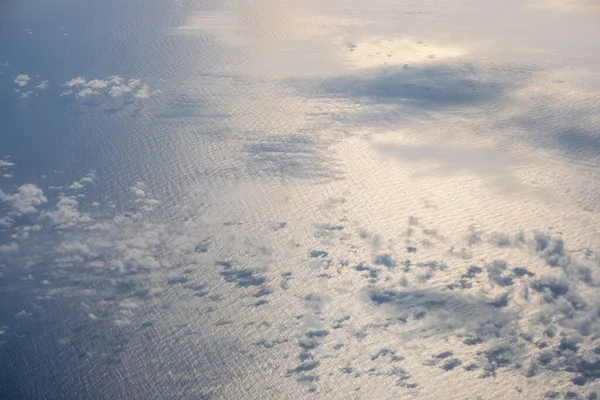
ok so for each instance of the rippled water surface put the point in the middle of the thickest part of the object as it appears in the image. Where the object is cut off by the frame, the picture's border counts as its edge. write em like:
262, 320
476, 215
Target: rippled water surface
259, 199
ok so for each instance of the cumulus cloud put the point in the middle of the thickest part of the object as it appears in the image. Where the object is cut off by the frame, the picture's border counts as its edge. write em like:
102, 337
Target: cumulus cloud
85, 92
141, 197
96, 84
79, 81
26, 200
22, 80
80, 184
120, 90
43, 85
66, 213
4, 163
143, 92
76, 185
114, 87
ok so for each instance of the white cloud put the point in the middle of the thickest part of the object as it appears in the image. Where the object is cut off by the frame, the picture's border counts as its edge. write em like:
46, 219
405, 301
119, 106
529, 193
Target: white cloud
96, 84
120, 90
76, 185
4, 163
143, 92
44, 85
85, 92
26, 199
66, 213
82, 182
114, 86
138, 190
22, 80
115, 80
79, 81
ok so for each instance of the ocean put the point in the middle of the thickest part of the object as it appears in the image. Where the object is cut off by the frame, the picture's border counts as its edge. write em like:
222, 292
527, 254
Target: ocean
261, 199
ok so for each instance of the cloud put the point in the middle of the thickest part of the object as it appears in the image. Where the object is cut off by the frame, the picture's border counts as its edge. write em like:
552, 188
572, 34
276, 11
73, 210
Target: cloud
44, 85
76, 185
115, 87
85, 92
4, 163
143, 92
79, 81
27, 198
22, 80
66, 213
96, 84
117, 91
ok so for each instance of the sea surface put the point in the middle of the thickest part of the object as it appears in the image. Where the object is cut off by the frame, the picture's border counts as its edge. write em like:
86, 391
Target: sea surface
277, 199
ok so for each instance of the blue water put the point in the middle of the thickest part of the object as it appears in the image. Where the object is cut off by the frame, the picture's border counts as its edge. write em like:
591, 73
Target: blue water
50, 133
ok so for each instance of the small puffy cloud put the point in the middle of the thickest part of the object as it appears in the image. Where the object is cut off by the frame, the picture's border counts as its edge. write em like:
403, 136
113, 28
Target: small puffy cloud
114, 86
27, 198
96, 84
85, 92
79, 81
120, 90
143, 92
134, 83
44, 85
76, 185
115, 80
80, 184
4, 163
138, 190
66, 213
22, 80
